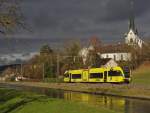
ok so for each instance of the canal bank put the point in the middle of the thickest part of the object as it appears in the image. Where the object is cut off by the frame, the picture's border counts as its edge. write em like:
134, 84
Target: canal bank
60, 101
14, 101
120, 90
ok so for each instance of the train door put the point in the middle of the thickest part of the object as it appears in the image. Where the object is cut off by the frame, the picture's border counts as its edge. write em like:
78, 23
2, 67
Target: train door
105, 76
85, 76
69, 77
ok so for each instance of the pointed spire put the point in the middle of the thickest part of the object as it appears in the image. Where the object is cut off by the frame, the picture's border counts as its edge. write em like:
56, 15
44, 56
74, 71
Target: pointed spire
132, 24
131, 21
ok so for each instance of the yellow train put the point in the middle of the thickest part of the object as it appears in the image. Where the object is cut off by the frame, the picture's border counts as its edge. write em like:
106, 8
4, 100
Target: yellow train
99, 75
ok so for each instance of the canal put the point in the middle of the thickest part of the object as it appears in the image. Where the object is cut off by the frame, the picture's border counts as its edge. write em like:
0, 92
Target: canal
117, 104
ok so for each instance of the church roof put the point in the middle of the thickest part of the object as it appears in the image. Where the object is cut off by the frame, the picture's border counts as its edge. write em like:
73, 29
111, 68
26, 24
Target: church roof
104, 61
115, 48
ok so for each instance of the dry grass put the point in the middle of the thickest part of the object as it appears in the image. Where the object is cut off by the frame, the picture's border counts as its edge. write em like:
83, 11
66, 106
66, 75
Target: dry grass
142, 74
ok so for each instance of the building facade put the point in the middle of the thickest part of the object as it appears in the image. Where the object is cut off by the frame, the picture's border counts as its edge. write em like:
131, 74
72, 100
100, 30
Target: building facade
117, 56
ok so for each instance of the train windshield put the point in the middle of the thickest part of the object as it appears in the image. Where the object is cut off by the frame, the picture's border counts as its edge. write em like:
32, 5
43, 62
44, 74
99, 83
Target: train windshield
66, 74
114, 73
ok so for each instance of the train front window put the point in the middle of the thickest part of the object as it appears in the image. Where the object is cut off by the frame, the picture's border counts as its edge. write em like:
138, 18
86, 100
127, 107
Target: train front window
96, 75
76, 76
114, 73
66, 75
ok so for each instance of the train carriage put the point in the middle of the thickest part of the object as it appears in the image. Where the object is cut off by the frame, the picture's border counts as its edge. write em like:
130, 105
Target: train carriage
97, 75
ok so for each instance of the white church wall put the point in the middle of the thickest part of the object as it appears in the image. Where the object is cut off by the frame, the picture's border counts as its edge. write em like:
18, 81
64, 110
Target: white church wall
133, 39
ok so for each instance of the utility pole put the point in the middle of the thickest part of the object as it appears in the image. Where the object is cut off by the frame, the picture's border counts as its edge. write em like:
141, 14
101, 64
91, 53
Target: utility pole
58, 66
43, 66
21, 70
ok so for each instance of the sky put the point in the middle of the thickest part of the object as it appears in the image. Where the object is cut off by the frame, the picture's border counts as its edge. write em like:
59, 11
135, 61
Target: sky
107, 19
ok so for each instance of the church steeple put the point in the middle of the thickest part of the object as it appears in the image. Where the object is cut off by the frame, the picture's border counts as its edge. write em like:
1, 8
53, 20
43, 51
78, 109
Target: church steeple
132, 24
132, 38
131, 20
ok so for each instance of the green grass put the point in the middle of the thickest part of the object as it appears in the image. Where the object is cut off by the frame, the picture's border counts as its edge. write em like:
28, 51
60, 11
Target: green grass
12, 101
142, 75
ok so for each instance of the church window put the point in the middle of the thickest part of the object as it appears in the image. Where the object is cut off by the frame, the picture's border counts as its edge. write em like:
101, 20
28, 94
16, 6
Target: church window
131, 40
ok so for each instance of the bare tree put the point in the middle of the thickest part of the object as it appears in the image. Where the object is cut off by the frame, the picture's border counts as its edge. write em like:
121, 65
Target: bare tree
72, 59
11, 16
96, 43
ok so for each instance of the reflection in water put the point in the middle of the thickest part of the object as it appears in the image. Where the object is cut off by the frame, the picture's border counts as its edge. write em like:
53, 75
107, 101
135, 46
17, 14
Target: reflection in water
113, 103
122, 105
117, 104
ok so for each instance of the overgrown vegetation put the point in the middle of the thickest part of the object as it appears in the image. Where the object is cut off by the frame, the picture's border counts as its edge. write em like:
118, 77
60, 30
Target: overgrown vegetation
11, 17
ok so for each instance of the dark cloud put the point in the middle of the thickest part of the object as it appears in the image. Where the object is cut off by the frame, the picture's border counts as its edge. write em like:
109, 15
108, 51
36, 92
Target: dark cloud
61, 18
119, 10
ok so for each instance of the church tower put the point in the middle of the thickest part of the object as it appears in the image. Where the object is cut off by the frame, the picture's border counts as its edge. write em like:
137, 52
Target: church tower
132, 37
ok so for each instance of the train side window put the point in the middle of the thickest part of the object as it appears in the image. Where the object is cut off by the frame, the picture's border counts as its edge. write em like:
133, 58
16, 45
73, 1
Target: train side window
96, 75
114, 73
76, 76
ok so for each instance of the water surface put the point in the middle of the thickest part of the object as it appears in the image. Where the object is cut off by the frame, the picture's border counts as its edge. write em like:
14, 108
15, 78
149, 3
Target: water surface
117, 104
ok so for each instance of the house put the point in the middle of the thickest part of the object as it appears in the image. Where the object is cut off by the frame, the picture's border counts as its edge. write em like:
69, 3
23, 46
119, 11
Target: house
84, 53
117, 52
108, 62
117, 56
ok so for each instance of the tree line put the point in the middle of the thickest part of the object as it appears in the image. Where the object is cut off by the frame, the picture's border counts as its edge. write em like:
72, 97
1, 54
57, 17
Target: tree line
52, 63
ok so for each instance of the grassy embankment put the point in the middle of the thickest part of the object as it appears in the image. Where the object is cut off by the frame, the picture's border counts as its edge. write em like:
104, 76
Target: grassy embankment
141, 75
12, 101
139, 87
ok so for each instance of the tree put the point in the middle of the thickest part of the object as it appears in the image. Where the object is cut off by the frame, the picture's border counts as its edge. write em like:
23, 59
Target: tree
146, 51
43, 64
95, 43
47, 59
46, 50
71, 57
93, 58
11, 16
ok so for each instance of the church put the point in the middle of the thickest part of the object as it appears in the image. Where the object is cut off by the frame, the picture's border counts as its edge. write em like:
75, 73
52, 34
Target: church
132, 37
118, 52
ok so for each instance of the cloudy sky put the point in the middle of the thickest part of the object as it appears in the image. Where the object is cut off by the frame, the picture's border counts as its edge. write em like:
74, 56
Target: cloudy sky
108, 19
